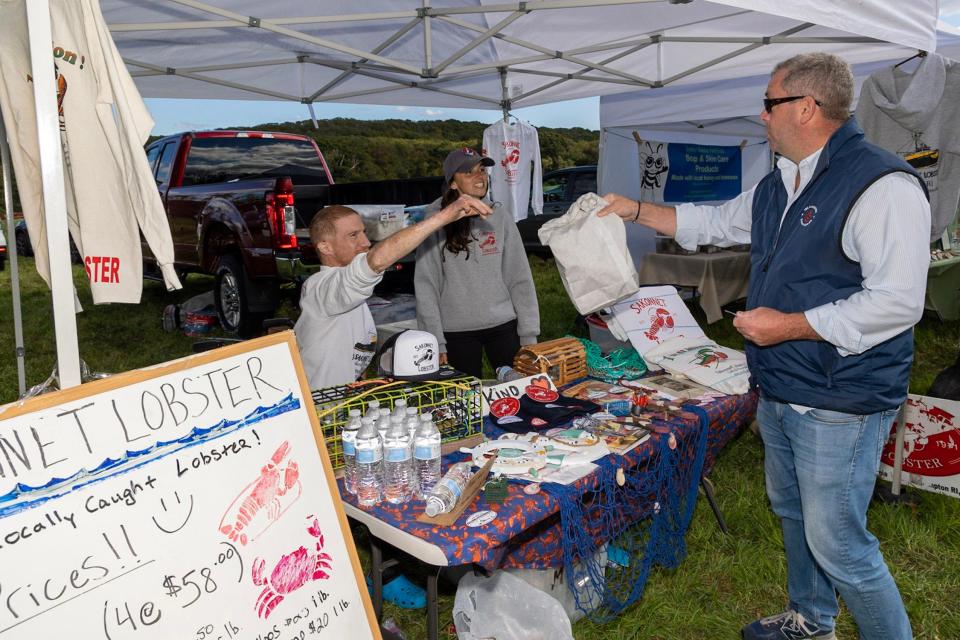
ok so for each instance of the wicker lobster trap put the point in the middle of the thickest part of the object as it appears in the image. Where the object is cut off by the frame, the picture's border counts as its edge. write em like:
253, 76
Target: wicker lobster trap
454, 402
564, 360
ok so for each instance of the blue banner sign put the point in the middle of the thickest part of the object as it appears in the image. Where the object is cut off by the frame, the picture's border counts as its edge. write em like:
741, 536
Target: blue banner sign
690, 172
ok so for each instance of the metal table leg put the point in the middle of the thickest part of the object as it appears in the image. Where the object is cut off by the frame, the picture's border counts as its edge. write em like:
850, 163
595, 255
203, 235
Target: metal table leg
376, 576
707, 487
433, 613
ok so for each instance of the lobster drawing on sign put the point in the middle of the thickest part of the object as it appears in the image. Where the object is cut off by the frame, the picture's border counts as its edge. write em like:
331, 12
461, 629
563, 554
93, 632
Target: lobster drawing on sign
292, 571
263, 501
660, 322
708, 356
652, 167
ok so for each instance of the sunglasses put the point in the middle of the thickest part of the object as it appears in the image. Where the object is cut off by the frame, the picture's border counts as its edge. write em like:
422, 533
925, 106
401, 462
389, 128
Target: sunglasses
770, 103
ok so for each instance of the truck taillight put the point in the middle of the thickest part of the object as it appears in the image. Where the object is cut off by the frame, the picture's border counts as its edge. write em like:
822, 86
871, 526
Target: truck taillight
282, 214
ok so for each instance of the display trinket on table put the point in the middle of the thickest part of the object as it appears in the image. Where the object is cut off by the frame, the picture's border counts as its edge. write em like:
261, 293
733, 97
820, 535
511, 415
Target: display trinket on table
509, 455
495, 490
681, 388
564, 360
620, 434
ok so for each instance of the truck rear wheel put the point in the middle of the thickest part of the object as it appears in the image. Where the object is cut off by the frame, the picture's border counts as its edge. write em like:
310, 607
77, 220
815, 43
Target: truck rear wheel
232, 296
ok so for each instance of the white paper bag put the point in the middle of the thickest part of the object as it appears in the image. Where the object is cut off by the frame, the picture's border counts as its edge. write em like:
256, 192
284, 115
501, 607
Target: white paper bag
591, 254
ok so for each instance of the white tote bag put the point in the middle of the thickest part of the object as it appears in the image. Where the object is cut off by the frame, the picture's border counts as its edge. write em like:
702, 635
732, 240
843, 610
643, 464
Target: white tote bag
591, 254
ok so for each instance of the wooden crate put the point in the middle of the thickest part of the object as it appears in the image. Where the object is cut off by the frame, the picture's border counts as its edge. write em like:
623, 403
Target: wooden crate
563, 360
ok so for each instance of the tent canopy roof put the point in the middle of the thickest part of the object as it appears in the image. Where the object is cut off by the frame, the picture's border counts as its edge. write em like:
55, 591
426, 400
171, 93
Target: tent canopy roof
732, 105
481, 53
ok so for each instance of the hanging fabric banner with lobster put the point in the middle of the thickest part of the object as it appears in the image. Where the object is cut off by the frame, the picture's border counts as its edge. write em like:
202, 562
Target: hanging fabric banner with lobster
931, 445
679, 172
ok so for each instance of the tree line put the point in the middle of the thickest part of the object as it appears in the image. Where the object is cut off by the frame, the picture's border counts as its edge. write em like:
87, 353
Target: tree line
360, 150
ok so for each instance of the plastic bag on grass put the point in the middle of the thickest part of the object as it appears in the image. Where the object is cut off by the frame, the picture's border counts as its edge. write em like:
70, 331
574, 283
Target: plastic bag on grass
506, 608
588, 580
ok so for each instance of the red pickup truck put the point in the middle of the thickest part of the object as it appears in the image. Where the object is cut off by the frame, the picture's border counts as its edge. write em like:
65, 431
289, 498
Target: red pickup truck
236, 202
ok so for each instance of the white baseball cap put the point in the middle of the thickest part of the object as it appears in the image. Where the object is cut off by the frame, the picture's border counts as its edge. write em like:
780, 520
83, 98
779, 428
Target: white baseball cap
411, 355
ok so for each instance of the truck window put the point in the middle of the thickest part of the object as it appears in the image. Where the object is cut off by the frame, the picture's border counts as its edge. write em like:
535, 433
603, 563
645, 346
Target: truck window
555, 188
584, 183
166, 163
214, 160
152, 154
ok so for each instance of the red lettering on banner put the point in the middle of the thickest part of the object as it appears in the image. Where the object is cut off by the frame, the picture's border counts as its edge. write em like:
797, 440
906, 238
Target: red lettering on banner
105, 269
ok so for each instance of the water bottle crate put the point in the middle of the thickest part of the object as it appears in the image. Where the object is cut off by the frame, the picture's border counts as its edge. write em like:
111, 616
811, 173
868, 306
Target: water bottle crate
455, 403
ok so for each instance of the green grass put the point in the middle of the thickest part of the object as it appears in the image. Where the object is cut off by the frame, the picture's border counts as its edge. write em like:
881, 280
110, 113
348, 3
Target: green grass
724, 582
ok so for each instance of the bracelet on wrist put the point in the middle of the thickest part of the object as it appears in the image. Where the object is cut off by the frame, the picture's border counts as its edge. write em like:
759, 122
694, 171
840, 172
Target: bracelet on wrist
637, 216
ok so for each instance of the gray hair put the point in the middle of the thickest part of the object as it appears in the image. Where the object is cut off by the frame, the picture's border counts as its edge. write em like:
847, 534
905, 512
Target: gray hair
824, 76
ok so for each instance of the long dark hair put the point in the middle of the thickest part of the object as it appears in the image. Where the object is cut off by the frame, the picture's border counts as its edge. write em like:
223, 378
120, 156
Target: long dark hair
458, 233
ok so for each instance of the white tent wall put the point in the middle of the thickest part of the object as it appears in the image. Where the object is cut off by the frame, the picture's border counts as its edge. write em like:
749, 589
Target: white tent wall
721, 112
448, 53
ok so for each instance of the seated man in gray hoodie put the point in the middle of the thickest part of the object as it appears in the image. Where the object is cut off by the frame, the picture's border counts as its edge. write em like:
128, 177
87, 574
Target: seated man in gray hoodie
335, 332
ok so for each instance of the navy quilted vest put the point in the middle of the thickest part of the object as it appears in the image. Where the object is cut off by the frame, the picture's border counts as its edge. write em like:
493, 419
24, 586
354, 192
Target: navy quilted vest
801, 265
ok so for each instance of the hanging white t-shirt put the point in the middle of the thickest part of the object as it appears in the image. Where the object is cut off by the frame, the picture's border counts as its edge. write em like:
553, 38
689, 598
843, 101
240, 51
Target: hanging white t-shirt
110, 190
515, 147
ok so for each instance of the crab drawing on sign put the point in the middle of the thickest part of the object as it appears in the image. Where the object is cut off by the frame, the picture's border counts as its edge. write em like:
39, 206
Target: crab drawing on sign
292, 571
652, 167
263, 501
660, 322
708, 356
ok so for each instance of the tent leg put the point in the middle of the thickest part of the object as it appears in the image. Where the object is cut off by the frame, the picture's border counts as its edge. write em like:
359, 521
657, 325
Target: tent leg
54, 193
504, 94
12, 253
898, 453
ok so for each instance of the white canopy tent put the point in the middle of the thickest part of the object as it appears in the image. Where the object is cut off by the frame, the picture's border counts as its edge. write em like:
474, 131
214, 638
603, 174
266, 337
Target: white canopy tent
463, 53
723, 112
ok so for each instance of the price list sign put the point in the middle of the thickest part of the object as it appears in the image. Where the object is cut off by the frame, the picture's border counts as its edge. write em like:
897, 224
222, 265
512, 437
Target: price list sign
193, 500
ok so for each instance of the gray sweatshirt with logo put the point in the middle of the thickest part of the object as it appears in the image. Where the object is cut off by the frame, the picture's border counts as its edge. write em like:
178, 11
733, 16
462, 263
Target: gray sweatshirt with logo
915, 115
491, 287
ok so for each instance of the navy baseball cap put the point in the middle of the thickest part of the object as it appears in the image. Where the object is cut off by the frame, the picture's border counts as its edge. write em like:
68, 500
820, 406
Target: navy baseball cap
462, 161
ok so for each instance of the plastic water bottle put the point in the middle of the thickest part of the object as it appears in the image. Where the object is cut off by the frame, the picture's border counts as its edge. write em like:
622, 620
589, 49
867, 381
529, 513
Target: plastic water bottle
373, 410
383, 422
396, 463
412, 422
369, 473
426, 455
400, 407
506, 374
348, 444
445, 493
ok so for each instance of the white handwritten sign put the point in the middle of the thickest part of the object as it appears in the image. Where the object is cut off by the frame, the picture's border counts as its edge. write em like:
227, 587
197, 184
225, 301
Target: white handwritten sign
191, 500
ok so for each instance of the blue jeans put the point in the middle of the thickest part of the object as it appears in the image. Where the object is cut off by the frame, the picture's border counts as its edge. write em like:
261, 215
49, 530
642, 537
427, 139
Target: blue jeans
821, 468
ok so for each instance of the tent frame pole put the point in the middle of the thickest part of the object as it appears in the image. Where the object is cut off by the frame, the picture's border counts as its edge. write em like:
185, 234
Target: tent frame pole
14, 266
54, 193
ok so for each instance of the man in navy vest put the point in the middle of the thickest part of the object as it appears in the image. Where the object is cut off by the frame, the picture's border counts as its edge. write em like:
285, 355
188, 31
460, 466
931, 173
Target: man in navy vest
839, 253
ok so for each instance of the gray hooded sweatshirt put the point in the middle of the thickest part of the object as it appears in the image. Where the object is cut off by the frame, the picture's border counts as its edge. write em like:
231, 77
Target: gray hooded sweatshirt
493, 286
916, 115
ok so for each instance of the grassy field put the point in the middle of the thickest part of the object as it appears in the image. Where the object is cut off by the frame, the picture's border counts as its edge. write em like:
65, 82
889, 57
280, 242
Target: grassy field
724, 582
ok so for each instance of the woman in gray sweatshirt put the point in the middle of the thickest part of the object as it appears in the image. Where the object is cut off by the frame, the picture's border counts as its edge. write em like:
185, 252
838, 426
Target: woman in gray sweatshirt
473, 284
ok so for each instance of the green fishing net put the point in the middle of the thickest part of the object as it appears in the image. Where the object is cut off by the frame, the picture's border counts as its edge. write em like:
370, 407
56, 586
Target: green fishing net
622, 363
